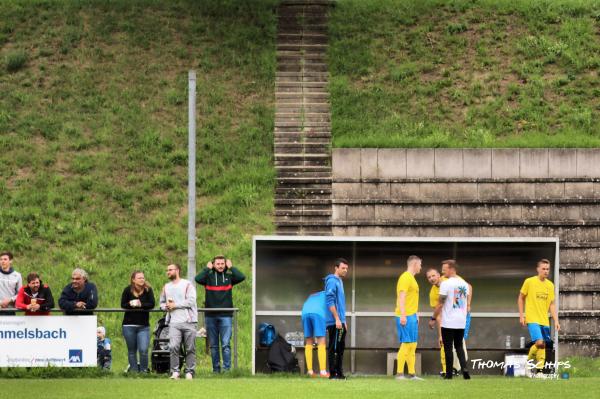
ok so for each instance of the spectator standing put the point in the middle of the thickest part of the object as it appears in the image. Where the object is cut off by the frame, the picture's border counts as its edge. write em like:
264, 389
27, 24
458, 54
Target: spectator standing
178, 298
35, 298
218, 278
10, 283
79, 296
136, 325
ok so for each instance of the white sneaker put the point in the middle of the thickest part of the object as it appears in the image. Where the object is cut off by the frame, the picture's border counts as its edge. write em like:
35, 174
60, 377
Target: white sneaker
415, 378
400, 377
175, 375
189, 376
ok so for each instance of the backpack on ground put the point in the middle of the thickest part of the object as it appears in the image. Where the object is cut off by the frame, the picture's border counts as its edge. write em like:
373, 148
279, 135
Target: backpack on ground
281, 358
266, 333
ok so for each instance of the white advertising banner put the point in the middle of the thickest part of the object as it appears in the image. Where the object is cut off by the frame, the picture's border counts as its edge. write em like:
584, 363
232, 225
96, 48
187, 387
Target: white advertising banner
42, 341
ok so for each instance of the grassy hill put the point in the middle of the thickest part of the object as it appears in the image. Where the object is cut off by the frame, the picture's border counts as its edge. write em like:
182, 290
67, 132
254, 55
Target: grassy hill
93, 131
465, 73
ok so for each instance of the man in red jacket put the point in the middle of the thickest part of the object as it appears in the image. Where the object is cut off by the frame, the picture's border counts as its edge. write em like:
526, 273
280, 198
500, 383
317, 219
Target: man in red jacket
35, 298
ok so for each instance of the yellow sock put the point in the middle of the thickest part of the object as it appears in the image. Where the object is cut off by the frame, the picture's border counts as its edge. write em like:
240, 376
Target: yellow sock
402, 357
322, 354
411, 357
540, 358
532, 353
308, 352
443, 358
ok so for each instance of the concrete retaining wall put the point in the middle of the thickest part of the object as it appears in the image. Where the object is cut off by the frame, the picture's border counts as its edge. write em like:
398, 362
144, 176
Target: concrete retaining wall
488, 193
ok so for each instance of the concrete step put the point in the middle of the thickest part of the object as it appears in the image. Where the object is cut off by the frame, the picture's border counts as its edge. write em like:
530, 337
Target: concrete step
294, 25
302, 206
292, 100
299, 85
297, 57
325, 213
289, 3
286, 156
308, 12
306, 225
301, 38
303, 35
301, 67
304, 125
297, 135
301, 46
285, 105
300, 149
301, 122
306, 219
302, 181
303, 174
303, 118
303, 98
302, 194
301, 162
302, 146
305, 168
308, 77
319, 202
306, 96
323, 141
294, 113
303, 231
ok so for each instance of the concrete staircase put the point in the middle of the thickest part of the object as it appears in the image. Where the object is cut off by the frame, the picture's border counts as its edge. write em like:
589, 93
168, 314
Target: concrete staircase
302, 120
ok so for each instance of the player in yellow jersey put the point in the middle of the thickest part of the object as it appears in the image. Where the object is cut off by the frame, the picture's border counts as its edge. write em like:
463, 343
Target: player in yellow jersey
407, 322
537, 294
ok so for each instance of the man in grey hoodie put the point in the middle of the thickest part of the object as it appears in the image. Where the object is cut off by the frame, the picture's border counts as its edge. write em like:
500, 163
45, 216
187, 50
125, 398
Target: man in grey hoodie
10, 283
178, 298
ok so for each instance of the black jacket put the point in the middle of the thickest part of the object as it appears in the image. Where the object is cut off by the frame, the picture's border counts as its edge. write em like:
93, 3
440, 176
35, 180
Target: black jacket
69, 297
137, 318
218, 288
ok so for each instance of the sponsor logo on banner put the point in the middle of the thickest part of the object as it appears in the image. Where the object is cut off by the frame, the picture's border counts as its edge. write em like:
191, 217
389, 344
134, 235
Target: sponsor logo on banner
75, 356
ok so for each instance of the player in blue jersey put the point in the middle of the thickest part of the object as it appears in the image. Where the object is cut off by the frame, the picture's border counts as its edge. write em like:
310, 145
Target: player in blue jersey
314, 313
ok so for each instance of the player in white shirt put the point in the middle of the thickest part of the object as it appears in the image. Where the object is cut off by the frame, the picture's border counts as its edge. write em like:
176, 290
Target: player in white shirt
452, 304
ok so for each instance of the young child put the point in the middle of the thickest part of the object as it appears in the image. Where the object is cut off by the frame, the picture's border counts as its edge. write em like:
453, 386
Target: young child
104, 351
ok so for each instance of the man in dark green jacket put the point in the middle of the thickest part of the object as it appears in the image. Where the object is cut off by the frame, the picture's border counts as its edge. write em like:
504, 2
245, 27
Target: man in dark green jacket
218, 278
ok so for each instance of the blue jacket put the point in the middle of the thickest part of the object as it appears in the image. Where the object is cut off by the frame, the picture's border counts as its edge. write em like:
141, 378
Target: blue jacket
69, 297
316, 304
334, 293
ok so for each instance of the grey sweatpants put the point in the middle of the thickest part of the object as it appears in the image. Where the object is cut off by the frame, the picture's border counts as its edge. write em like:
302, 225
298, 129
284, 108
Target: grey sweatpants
182, 333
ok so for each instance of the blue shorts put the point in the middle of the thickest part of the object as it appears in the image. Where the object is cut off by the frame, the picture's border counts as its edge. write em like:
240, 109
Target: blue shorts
537, 332
314, 325
409, 332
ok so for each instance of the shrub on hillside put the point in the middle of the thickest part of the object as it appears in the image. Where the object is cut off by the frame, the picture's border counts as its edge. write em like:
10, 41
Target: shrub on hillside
15, 60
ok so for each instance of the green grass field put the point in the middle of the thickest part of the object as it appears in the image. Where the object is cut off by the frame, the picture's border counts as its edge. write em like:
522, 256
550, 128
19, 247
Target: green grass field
274, 387
465, 73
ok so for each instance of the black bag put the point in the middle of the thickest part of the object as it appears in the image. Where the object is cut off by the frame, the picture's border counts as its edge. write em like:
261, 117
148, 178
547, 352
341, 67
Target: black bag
281, 358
